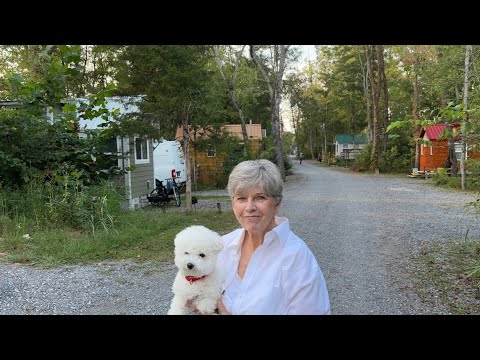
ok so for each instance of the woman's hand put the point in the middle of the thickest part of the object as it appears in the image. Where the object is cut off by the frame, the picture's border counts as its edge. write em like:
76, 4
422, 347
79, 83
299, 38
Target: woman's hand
221, 308
191, 306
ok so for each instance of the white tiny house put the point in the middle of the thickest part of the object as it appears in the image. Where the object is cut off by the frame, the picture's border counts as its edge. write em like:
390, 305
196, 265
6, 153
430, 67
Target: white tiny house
135, 150
168, 159
348, 146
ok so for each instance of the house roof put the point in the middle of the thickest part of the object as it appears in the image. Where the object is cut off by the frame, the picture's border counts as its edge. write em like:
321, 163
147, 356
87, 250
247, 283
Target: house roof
202, 132
254, 131
350, 139
433, 132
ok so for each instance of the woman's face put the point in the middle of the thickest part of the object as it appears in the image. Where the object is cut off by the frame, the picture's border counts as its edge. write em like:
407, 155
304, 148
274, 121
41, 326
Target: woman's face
255, 211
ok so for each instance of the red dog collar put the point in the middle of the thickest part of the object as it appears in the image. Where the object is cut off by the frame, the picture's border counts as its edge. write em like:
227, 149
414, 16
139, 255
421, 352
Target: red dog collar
192, 279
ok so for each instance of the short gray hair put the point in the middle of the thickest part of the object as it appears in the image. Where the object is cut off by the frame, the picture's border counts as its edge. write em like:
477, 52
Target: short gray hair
251, 173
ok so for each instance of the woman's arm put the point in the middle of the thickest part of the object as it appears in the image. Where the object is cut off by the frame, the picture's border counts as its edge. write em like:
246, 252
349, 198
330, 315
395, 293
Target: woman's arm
308, 294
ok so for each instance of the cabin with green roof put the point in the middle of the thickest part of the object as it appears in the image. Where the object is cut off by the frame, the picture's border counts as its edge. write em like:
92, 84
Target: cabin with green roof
348, 146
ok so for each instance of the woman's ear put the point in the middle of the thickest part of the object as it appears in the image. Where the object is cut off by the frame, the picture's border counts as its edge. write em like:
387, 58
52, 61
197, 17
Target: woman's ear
278, 206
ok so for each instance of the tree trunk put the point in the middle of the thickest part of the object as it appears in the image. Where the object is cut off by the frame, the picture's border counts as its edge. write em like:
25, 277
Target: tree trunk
186, 141
324, 152
466, 84
366, 94
195, 163
382, 84
415, 111
452, 158
310, 143
233, 97
277, 138
275, 88
296, 129
375, 102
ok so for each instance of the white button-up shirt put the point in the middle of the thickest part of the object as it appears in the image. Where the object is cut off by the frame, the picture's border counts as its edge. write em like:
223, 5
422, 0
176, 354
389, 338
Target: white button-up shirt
282, 277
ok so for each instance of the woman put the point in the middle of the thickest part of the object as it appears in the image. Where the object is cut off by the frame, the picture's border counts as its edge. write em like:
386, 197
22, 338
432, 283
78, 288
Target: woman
269, 270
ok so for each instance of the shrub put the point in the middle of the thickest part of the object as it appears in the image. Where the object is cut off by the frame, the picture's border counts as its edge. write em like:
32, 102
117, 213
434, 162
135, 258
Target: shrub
362, 160
48, 205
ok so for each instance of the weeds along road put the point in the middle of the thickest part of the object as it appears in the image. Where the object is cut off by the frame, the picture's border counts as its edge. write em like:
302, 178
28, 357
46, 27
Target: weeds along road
364, 230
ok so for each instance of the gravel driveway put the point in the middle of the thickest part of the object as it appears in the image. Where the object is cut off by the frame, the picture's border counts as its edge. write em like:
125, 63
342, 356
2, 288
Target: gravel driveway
363, 230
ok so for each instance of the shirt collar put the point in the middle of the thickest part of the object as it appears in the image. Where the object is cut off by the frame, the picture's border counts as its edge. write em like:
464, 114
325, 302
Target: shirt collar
280, 232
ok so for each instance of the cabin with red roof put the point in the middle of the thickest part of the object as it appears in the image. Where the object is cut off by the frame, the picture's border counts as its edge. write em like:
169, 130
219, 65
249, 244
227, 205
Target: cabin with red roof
435, 156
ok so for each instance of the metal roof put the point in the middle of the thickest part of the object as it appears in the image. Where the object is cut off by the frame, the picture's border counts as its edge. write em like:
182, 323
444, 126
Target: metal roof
434, 131
350, 139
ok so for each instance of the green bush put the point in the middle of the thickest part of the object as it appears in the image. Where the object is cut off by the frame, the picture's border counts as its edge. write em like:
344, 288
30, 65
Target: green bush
48, 205
269, 154
472, 166
395, 161
362, 160
451, 182
235, 155
329, 159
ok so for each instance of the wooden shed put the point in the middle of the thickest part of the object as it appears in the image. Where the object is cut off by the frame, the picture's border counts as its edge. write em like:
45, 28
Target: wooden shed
209, 161
435, 156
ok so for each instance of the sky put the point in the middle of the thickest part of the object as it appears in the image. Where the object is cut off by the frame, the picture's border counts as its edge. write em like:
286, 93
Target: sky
308, 54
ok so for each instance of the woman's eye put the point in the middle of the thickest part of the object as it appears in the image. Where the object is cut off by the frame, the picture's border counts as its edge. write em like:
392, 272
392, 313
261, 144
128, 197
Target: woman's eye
202, 255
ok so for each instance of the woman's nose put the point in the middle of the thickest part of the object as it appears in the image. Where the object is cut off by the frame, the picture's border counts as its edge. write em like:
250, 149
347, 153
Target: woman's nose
251, 204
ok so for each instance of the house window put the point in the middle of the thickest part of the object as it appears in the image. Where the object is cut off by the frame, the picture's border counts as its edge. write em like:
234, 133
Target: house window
141, 151
431, 150
109, 146
421, 149
211, 152
458, 151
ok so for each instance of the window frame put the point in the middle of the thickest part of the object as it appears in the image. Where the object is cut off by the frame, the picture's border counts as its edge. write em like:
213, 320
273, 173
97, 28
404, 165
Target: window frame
210, 148
141, 160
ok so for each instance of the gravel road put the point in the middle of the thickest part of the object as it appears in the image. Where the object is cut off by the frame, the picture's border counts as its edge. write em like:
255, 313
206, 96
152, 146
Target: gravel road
363, 229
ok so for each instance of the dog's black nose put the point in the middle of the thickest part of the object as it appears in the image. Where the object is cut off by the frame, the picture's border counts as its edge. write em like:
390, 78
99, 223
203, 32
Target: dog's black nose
190, 266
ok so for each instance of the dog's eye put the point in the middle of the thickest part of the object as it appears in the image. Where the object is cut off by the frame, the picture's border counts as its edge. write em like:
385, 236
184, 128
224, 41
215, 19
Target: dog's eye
186, 253
202, 255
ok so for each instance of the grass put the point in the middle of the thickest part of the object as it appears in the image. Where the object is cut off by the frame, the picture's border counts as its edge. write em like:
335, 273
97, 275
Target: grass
213, 197
145, 235
450, 272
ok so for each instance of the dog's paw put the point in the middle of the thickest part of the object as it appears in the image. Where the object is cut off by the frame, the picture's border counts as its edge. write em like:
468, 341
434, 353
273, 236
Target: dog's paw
206, 307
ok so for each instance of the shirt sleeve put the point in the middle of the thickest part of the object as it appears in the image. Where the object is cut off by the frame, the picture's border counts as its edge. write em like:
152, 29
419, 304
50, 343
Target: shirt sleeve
307, 292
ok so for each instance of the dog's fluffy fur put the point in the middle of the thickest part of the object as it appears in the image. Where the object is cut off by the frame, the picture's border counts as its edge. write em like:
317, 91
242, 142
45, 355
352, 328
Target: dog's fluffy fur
196, 250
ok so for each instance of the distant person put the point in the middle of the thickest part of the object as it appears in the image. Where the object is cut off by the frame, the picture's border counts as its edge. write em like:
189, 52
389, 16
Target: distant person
269, 270
301, 157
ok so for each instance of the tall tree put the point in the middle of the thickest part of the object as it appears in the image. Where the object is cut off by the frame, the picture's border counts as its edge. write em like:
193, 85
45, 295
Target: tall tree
414, 59
382, 79
466, 85
366, 94
375, 94
231, 82
173, 81
272, 72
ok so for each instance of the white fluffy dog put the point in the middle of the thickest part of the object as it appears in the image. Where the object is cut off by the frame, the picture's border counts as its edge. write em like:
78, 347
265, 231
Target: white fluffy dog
199, 277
